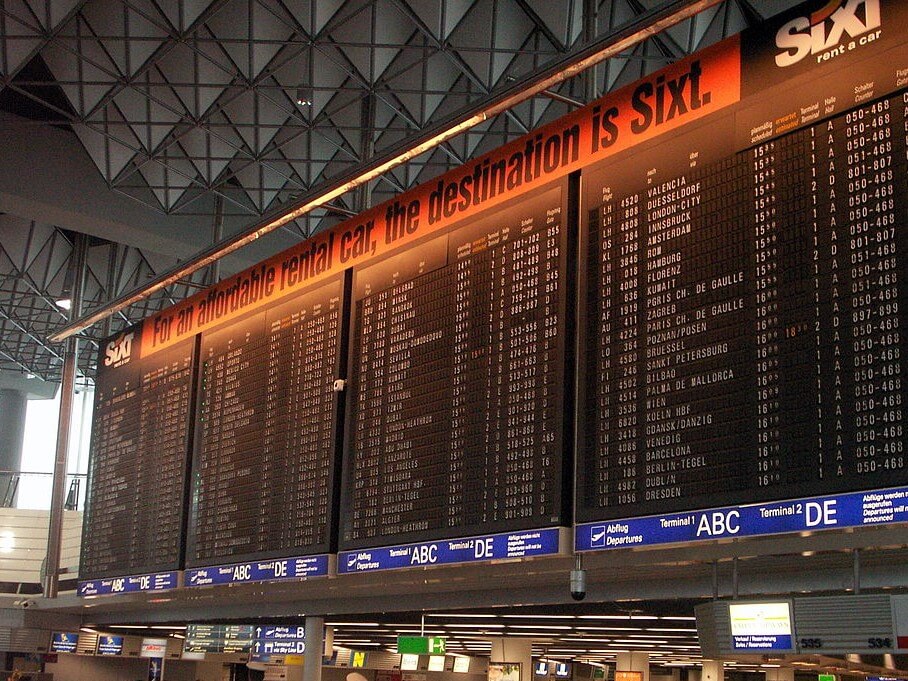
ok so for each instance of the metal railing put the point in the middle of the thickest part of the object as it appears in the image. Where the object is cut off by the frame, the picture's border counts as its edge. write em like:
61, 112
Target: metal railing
32, 489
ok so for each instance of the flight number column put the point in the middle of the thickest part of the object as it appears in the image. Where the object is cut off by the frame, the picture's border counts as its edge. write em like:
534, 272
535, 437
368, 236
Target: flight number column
600, 278
620, 314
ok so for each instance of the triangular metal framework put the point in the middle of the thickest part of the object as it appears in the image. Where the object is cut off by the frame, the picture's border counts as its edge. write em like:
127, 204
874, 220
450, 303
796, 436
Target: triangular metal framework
190, 104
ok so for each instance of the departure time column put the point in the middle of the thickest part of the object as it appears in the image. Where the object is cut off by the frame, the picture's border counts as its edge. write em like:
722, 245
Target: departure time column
766, 270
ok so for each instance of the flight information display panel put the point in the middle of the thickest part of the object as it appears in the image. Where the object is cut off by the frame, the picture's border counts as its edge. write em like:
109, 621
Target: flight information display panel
137, 474
456, 383
263, 468
745, 330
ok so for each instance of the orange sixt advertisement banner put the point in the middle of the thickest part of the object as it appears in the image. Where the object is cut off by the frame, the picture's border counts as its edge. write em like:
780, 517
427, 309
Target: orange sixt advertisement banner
683, 92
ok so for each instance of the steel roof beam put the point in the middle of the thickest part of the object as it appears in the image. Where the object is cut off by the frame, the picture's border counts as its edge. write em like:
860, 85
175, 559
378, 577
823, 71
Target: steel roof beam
46, 38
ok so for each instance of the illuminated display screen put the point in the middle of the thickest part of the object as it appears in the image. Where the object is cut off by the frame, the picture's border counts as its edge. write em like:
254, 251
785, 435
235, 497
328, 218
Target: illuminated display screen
64, 642
455, 400
745, 288
738, 264
760, 626
265, 432
110, 645
140, 438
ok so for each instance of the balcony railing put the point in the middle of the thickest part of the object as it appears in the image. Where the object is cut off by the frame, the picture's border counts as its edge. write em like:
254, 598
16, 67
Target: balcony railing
32, 490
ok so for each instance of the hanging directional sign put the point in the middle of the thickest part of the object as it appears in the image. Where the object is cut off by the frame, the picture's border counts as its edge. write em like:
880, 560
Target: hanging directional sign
275, 633
293, 646
421, 645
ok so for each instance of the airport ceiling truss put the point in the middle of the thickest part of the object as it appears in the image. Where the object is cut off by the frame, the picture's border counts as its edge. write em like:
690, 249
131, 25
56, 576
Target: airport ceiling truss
198, 107
35, 275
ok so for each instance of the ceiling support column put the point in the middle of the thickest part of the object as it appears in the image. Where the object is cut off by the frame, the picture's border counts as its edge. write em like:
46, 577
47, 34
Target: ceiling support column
315, 642
67, 392
590, 18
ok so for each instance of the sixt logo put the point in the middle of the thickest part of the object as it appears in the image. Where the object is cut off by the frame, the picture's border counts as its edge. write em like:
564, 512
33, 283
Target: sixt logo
118, 351
826, 28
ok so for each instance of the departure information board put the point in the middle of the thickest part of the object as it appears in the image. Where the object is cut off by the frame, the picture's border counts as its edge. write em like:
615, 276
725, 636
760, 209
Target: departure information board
746, 328
740, 286
455, 419
134, 514
263, 469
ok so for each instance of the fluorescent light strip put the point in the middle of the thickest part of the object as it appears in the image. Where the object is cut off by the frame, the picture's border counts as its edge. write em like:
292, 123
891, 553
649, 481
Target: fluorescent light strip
459, 614
407, 625
358, 641
423, 632
540, 617
638, 641
354, 624
532, 634
623, 618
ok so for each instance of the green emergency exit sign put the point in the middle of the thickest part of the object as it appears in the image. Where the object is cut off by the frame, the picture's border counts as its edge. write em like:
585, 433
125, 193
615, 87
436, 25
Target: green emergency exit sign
420, 645
825, 677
